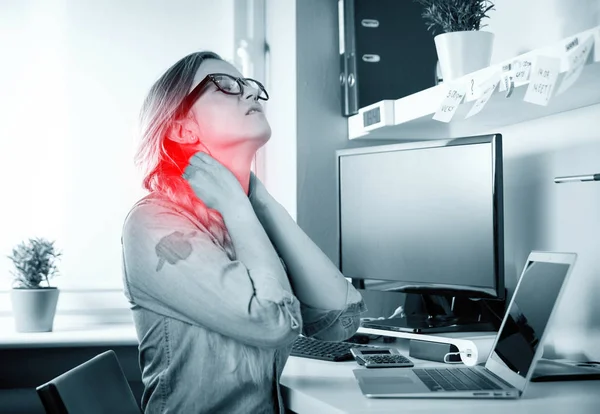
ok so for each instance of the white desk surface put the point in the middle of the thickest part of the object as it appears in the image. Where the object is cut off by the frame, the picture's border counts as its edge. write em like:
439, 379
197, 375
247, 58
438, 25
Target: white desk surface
314, 386
320, 387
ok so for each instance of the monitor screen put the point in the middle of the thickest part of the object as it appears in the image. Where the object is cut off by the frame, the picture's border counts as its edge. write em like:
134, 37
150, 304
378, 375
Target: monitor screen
423, 217
528, 315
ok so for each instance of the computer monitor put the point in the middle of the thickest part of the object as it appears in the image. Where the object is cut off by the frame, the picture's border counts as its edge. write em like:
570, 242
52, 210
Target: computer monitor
424, 217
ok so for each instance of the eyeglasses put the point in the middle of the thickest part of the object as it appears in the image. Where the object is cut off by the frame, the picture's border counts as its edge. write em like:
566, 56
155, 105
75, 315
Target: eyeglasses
228, 84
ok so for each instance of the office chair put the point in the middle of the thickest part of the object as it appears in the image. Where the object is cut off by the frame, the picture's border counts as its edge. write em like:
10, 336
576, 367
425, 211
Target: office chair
97, 386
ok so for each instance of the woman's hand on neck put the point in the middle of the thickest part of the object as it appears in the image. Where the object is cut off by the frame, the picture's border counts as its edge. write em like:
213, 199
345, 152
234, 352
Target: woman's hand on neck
238, 159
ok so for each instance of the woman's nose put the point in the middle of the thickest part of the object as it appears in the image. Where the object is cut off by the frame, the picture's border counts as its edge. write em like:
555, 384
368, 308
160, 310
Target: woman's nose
251, 93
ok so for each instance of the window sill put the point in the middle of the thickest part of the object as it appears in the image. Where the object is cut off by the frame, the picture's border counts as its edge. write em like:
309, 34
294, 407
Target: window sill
68, 332
84, 317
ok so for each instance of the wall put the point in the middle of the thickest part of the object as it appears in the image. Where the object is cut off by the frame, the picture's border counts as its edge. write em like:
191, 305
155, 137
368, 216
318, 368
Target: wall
522, 26
321, 128
539, 214
542, 215
73, 78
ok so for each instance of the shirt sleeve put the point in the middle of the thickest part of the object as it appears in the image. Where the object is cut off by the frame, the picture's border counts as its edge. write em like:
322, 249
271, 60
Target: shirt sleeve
334, 325
175, 269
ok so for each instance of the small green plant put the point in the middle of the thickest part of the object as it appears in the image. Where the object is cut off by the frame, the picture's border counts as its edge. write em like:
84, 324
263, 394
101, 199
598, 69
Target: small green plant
454, 15
34, 261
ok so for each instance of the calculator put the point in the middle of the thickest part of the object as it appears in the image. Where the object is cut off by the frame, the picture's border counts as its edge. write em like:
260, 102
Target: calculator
380, 357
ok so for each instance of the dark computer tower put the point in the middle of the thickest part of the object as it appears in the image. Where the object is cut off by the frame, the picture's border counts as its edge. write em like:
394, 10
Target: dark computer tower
386, 52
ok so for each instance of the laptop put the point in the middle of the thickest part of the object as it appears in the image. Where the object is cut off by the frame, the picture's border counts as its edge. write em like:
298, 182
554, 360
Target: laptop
515, 352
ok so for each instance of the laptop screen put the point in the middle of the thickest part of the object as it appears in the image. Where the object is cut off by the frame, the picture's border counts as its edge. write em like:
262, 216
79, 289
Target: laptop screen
528, 315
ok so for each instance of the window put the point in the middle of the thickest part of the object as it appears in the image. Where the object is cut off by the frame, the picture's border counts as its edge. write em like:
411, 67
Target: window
73, 78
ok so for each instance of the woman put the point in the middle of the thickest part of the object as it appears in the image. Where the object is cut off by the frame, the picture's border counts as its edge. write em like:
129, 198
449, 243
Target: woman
220, 278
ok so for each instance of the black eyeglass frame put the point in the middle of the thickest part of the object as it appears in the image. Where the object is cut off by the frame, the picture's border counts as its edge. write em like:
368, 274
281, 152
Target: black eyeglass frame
195, 93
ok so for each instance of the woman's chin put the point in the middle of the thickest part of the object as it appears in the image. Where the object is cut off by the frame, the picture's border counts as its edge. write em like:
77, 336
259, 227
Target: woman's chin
256, 133
260, 133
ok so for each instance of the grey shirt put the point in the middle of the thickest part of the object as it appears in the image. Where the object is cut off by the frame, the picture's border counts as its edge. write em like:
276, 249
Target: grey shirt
213, 337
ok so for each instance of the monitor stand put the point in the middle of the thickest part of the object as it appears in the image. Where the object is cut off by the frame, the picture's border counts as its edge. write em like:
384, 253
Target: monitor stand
424, 313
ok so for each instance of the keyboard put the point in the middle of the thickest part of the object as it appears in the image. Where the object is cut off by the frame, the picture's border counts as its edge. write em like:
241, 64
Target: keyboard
454, 379
325, 350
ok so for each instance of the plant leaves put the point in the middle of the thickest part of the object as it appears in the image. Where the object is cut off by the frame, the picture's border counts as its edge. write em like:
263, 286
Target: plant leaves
454, 15
34, 261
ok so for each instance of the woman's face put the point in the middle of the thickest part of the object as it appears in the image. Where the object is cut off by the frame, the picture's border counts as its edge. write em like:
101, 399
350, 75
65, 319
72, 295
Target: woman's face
224, 120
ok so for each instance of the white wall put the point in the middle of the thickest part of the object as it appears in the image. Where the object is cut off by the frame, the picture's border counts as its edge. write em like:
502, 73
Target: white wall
520, 26
540, 214
72, 79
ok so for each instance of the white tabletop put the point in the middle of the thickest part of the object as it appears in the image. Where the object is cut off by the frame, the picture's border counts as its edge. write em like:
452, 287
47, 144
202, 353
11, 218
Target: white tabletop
314, 386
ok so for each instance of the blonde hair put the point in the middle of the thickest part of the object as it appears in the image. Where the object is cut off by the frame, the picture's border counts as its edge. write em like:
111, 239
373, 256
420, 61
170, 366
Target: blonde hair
162, 160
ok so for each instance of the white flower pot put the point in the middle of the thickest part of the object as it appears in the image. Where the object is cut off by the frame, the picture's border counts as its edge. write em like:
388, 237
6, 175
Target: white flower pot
34, 309
464, 52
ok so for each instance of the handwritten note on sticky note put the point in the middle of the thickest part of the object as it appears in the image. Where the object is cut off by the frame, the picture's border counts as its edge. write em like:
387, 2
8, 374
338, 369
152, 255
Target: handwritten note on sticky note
542, 80
450, 104
484, 98
505, 77
577, 59
522, 70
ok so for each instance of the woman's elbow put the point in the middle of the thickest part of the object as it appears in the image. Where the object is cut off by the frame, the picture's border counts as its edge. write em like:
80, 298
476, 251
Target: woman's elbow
281, 336
282, 327
342, 329
350, 326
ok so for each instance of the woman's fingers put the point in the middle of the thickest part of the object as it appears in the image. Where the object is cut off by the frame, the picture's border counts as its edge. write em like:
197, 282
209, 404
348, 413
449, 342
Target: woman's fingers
197, 159
190, 170
202, 157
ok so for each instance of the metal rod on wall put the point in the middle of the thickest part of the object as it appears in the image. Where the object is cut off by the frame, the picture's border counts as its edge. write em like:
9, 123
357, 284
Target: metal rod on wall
577, 178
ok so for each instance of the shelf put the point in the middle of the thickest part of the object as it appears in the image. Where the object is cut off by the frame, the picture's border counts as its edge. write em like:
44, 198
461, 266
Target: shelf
410, 118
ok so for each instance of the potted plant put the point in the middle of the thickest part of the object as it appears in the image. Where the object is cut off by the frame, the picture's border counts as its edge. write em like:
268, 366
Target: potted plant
461, 47
34, 305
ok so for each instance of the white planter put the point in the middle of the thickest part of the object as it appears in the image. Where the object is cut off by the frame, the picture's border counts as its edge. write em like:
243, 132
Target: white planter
460, 53
34, 309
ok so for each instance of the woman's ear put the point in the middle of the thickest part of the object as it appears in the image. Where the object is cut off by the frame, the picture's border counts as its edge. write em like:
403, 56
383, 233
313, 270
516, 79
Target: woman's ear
183, 131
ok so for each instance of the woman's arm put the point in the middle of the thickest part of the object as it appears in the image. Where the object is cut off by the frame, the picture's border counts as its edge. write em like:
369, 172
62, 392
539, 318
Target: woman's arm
175, 269
321, 288
316, 281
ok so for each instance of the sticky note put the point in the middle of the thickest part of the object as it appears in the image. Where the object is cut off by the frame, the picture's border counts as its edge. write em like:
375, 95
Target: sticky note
490, 87
450, 103
505, 77
542, 80
522, 70
577, 59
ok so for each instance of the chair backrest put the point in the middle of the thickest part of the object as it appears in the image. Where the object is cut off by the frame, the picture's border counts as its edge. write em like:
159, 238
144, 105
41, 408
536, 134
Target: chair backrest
94, 387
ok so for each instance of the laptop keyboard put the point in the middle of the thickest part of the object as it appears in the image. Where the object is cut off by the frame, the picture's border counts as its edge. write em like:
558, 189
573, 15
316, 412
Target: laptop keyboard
454, 379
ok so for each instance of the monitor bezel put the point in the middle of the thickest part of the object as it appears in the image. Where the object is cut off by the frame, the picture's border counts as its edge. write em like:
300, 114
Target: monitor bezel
495, 140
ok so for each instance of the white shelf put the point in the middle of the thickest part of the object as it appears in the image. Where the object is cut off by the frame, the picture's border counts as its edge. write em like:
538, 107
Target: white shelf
410, 118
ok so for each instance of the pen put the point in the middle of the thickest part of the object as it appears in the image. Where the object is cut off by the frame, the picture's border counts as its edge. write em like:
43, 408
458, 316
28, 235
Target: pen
579, 178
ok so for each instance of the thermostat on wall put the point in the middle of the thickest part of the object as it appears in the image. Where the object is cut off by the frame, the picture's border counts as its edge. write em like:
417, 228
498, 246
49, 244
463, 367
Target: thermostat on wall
377, 115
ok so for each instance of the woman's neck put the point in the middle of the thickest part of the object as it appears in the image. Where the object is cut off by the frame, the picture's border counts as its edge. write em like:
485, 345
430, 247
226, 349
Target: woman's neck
239, 162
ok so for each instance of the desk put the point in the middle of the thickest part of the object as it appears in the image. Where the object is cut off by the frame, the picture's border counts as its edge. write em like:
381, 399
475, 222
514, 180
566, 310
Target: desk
313, 386
308, 386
